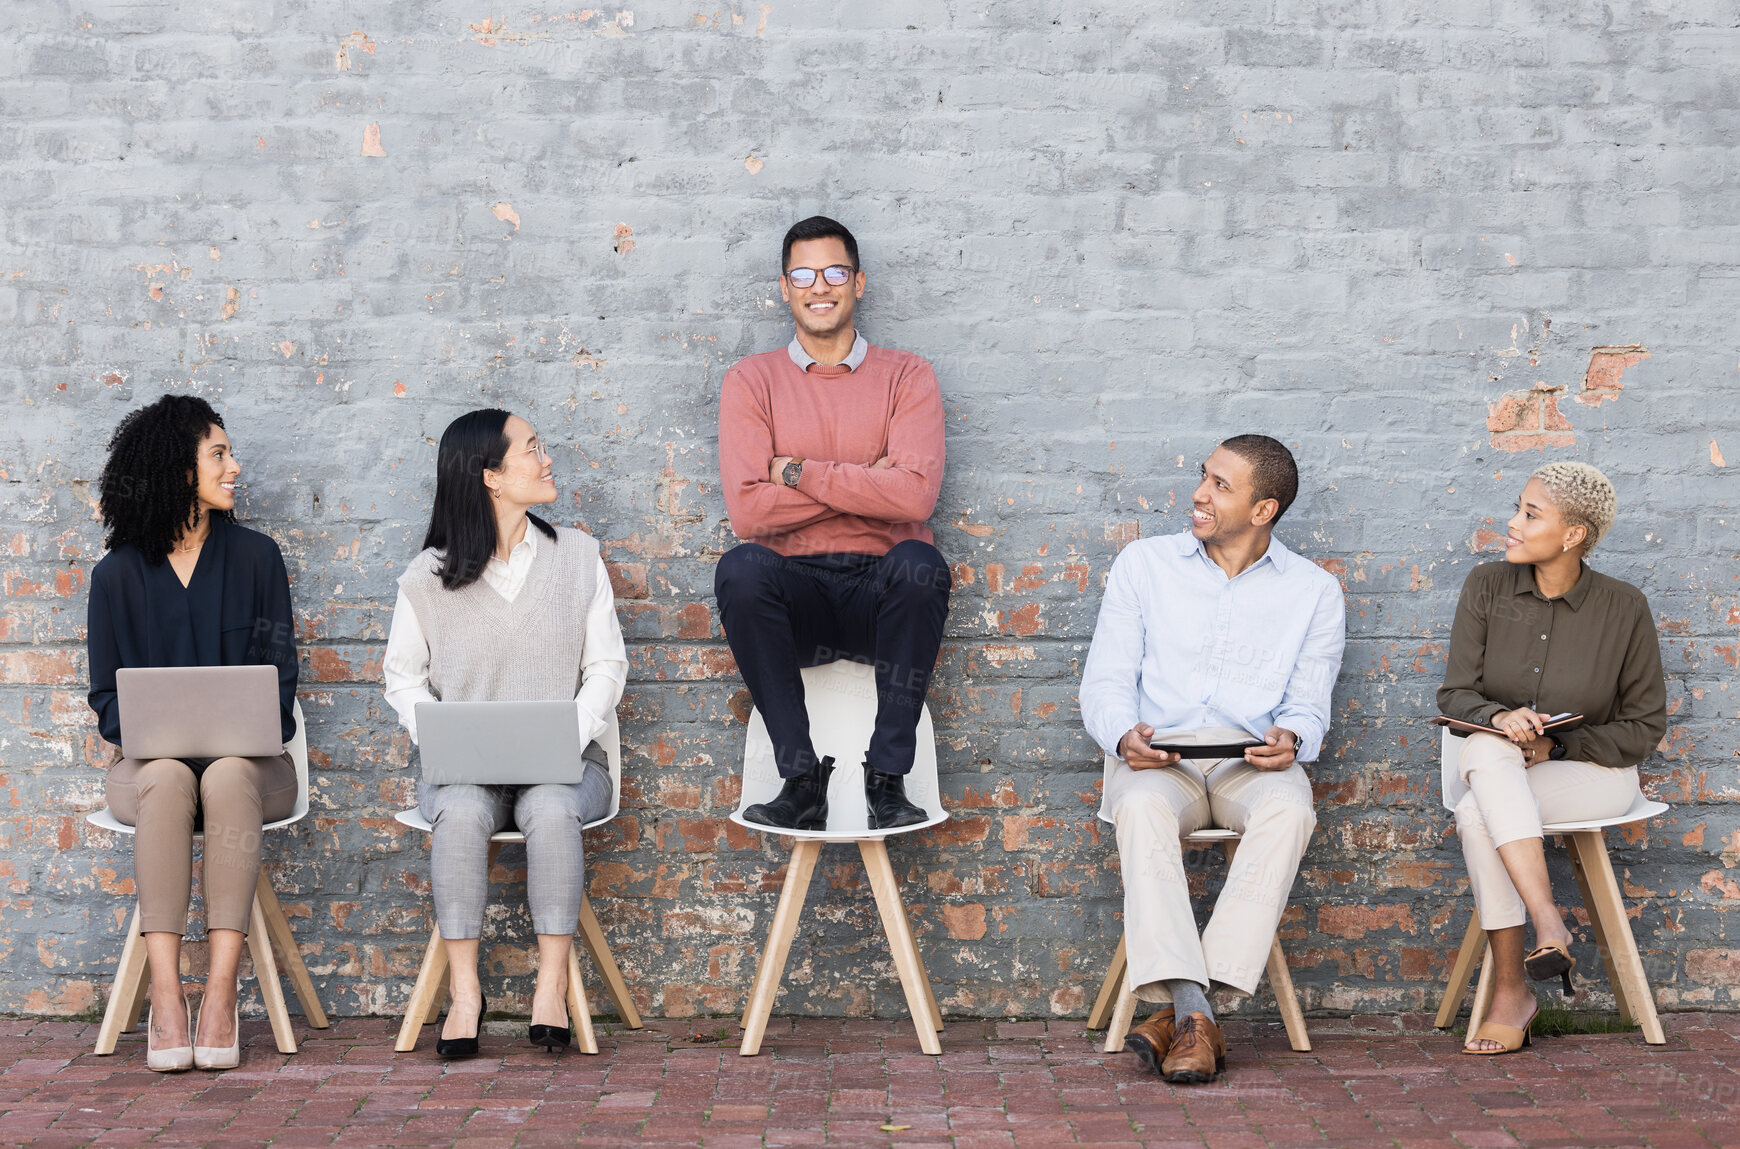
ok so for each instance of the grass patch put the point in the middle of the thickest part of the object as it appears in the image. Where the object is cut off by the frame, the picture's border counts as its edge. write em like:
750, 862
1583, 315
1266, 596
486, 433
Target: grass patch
1557, 1021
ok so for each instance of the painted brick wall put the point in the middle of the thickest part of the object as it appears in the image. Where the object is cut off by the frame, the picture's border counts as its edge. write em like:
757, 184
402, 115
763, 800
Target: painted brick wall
1429, 245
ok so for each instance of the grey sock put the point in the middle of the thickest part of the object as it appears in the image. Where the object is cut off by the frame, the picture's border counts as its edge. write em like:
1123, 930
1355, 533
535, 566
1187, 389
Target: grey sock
1188, 998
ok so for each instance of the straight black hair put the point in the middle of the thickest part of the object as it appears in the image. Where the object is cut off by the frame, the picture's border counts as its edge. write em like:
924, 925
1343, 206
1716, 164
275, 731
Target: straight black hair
462, 521
817, 227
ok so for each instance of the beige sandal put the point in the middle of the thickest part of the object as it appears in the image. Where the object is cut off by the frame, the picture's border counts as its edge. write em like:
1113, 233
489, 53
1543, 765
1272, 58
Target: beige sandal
1510, 1037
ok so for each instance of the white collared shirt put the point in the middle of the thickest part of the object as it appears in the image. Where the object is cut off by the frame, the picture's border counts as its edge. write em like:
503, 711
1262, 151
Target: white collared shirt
854, 359
1180, 646
603, 661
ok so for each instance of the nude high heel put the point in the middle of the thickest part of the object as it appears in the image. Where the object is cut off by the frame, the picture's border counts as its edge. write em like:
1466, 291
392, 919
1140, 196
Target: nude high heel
221, 1056
175, 1059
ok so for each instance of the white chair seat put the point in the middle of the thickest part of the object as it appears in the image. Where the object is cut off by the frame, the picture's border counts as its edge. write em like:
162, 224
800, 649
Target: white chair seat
1213, 834
415, 820
841, 700
1641, 809
104, 820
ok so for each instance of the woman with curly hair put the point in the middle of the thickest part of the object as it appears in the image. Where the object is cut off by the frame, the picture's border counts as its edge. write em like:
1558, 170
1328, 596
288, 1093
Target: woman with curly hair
1536, 635
183, 585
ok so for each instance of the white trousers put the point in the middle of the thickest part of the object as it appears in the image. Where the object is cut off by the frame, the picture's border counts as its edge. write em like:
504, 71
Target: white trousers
1507, 802
1152, 810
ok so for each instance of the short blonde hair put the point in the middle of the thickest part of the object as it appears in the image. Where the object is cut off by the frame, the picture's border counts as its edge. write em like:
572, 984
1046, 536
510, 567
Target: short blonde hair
1583, 495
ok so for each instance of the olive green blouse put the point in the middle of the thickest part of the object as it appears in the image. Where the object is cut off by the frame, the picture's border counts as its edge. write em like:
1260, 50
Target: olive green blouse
1591, 651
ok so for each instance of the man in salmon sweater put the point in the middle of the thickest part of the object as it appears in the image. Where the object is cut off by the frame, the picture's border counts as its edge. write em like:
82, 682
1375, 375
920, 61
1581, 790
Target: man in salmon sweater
831, 457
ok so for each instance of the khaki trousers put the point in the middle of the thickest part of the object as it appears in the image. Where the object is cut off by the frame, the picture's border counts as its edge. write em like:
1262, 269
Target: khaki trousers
1152, 810
162, 797
1507, 802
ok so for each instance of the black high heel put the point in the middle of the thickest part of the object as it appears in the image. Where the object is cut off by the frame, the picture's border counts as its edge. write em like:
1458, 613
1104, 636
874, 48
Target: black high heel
458, 1047
1552, 961
551, 1037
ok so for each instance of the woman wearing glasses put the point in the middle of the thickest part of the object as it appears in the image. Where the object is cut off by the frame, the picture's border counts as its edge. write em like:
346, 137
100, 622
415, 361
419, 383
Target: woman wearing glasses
502, 606
1536, 635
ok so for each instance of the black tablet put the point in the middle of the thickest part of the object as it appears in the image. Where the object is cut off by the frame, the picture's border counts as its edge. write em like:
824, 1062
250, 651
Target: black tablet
1204, 750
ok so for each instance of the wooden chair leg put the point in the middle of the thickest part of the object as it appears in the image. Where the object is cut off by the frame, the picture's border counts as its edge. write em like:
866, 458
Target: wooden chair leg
1108, 999
1597, 927
1591, 846
266, 973
1281, 981
1123, 1016
131, 980
1473, 941
598, 949
929, 993
425, 994
141, 998
279, 927
578, 1009
799, 867
1482, 992
900, 941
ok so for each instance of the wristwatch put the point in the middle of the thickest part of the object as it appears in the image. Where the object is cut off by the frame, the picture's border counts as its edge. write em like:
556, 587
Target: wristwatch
793, 471
1558, 752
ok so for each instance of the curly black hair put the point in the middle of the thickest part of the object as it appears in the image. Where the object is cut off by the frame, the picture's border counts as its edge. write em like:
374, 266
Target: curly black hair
149, 492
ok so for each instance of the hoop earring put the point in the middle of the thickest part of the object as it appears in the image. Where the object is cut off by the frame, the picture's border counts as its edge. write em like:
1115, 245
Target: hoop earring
497, 494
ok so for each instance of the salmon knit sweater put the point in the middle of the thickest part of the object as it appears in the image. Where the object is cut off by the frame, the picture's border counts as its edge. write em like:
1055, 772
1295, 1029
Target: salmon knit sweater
839, 422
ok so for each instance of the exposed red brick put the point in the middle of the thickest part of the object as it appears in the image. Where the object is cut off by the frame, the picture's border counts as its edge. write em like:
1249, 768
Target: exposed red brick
1601, 382
965, 922
627, 580
1352, 922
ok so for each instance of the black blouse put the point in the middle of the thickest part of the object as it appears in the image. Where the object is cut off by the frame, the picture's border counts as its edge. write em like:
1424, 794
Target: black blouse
234, 611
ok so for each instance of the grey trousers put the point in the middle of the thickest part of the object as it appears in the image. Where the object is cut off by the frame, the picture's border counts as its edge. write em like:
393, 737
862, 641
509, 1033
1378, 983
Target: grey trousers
550, 816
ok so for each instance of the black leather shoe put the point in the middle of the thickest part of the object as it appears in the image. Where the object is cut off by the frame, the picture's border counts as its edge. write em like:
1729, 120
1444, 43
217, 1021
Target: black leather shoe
802, 803
458, 1047
551, 1037
885, 795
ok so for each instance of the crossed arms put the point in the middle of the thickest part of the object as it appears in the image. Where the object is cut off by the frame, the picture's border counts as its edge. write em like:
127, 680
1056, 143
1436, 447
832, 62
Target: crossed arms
899, 487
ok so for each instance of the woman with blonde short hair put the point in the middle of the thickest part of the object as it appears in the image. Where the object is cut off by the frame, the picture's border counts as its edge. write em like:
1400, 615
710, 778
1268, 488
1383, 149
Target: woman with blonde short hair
1540, 634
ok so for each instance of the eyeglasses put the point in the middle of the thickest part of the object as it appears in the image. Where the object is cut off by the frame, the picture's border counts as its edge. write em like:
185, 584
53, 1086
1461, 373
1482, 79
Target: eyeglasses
803, 278
536, 448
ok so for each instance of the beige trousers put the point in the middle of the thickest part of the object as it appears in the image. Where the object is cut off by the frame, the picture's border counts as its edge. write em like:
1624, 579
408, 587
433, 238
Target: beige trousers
236, 796
1152, 810
1507, 802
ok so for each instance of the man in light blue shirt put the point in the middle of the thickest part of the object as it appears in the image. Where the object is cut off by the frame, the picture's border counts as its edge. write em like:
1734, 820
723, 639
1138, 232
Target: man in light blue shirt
1214, 635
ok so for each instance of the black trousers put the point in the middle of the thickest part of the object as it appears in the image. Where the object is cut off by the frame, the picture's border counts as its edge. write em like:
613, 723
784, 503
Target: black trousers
783, 613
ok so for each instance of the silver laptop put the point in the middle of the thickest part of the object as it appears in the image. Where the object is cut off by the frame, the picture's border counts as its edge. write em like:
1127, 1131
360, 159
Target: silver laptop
500, 743
199, 712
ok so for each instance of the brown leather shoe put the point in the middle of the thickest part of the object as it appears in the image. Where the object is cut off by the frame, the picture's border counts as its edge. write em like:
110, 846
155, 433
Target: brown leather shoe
1150, 1040
1198, 1052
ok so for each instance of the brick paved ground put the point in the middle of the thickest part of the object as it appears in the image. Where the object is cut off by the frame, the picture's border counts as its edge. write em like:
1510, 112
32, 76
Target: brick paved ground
839, 1083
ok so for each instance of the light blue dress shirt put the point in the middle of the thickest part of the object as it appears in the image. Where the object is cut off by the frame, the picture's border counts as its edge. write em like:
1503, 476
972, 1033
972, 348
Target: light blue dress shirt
854, 359
1182, 647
